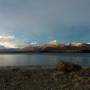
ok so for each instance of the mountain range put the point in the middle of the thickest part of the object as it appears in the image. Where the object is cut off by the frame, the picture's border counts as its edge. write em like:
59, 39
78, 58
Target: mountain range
55, 46
52, 46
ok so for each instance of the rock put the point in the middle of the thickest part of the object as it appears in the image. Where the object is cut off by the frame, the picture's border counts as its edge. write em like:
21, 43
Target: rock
68, 67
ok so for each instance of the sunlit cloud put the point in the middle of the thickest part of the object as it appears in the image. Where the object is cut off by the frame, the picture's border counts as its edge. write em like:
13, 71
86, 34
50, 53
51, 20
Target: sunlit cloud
7, 41
33, 43
10, 42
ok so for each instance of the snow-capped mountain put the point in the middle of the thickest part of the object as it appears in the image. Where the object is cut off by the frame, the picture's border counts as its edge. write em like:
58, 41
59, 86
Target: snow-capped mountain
54, 42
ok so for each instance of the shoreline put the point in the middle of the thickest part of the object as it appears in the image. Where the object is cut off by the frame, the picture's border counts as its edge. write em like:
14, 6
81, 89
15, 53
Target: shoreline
29, 67
51, 51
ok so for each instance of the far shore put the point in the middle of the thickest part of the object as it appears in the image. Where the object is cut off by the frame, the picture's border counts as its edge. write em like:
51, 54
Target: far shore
36, 52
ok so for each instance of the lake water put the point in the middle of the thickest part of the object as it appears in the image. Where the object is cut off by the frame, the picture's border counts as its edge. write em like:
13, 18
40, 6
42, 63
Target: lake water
43, 59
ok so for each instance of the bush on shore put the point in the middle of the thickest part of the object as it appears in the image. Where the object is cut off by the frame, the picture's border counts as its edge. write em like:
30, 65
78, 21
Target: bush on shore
68, 67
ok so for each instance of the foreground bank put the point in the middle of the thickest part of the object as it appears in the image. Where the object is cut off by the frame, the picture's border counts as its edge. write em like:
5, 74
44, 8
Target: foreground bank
64, 76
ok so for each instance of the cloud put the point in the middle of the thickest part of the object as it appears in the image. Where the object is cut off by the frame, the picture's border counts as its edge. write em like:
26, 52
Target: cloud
43, 19
33, 43
11, 42
6, 38
7, 41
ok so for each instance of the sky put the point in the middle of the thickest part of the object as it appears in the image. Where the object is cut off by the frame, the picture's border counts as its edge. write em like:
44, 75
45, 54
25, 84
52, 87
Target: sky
40, 21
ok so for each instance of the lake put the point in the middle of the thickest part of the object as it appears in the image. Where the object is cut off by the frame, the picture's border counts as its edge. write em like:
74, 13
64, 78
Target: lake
44, 59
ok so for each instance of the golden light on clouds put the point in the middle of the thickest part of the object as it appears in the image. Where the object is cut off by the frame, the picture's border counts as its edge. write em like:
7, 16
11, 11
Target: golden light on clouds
7, 41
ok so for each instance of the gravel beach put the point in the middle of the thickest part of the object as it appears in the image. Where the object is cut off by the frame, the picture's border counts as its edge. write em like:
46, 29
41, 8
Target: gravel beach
63, 76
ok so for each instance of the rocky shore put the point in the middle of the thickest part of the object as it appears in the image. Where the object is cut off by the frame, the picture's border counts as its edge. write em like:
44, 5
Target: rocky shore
63, 76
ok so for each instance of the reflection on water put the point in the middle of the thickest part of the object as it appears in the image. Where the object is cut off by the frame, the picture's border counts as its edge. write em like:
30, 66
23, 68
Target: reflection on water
43, 59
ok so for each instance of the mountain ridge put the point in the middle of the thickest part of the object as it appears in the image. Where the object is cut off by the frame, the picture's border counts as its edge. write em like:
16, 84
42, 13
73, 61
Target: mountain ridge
52, 46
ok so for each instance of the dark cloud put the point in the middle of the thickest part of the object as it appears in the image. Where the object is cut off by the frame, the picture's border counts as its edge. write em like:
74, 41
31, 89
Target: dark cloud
67, 20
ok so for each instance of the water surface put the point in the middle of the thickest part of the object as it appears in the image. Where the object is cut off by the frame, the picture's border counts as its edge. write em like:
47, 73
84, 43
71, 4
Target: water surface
44, 59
